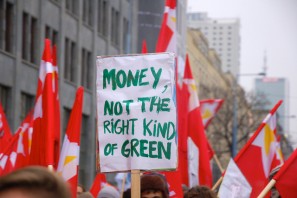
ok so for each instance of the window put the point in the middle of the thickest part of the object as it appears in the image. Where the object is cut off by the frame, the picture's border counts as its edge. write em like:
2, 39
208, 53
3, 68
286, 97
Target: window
7, 26
125, 35
84, 145
66, 115
29, 41
4, 91
102, 16
27, 104
87, 12
114, 26
70, 60
86, 69
51, 34
72, 6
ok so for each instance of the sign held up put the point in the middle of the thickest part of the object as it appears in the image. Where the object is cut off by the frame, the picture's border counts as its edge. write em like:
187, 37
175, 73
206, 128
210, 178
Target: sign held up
136, 112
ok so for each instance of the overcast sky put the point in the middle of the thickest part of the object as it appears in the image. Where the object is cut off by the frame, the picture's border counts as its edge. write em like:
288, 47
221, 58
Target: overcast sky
269, 25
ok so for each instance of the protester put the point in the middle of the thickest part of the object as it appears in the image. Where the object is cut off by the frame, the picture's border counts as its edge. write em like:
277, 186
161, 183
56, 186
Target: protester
85, 195
127, 193
33, 182
154, 185
108, 192
185, 188
80, 189
274, 191
200, 192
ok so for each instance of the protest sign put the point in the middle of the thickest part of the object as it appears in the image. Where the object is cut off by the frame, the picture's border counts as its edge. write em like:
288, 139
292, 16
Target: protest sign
136, 109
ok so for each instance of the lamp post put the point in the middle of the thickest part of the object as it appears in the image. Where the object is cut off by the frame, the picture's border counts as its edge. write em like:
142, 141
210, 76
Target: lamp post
235, 109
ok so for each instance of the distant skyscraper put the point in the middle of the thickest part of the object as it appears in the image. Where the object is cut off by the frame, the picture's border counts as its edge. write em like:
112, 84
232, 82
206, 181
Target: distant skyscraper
273, 90
223, 35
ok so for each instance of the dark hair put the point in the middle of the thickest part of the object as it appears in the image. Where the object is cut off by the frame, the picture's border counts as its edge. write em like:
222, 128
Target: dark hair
200, 191
127, 193
37, 181
155, 182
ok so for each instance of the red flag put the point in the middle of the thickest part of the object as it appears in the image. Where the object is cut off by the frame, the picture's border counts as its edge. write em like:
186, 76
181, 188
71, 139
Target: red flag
182, 96
167, 36
69, 159
174, 183
286, 177
99, 182
43, 140
24, 142
259, 153
144, 48
209, 108
57, 136
16, 153
5, 133
198, 157
8, 157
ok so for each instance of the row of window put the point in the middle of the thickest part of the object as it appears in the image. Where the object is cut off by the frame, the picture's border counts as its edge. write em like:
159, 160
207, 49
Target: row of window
30, 26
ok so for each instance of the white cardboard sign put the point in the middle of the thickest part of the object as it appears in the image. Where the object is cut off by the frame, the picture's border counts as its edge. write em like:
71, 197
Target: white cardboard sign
136, 112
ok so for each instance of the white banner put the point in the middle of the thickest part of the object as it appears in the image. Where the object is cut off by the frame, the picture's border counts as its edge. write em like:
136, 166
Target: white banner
137, 112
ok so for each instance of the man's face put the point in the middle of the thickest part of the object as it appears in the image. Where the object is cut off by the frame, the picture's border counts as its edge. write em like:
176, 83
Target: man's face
151, 194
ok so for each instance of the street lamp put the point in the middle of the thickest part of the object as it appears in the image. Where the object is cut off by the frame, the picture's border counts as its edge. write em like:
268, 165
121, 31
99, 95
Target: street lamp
235, 109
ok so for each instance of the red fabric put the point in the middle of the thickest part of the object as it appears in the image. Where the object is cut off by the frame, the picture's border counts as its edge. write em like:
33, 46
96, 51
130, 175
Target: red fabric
8, 152
286, 177
217, 102
5, 133
182, 96
99, 181
57, 137
17, 150
144, 48
26, 137
166, 33
175, 184
43, 140
73, 131
249, 159
196, 129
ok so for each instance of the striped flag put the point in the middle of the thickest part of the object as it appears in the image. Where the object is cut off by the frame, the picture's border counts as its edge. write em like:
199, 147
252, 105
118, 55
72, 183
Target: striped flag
69, 158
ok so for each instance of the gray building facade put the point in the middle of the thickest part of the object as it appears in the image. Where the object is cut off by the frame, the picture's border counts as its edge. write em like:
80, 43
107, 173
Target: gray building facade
81, 29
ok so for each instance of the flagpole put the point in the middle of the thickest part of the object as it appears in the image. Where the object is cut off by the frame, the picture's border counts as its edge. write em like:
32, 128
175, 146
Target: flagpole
217, 183
135, 183
267, 188
218, 163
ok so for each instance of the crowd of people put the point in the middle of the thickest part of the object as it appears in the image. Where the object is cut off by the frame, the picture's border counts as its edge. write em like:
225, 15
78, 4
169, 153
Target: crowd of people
39, 182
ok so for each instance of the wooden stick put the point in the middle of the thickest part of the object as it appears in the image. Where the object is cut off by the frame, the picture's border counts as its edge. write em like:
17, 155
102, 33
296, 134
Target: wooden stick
218, 163
267, 188
123, 184
218, 183
135, 183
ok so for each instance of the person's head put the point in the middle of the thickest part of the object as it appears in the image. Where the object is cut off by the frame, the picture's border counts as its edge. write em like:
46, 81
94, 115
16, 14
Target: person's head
80, 189
85, 195
200, 191
108, 192
185, 188
33, 182
154, 186
127, 193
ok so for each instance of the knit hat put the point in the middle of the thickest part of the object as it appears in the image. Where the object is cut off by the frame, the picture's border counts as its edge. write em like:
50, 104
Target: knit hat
108, 192
156, 182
